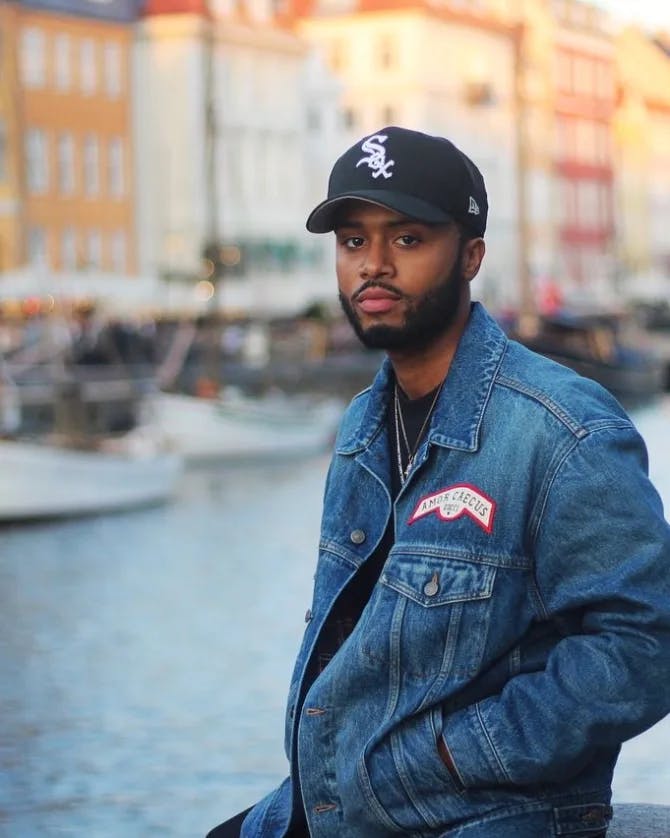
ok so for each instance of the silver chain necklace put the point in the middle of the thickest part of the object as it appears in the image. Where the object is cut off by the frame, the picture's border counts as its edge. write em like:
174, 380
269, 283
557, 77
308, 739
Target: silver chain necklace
400, 429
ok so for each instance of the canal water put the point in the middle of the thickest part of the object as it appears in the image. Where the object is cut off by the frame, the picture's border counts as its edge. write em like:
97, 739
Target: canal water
145, 657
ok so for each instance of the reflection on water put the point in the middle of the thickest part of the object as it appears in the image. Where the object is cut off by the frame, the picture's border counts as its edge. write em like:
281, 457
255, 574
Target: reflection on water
145, 657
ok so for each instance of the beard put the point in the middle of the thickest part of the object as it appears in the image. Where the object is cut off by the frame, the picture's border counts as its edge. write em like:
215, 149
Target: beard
426, 318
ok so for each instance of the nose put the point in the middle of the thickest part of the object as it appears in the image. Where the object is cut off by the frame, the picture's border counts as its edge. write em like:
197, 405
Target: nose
376, 261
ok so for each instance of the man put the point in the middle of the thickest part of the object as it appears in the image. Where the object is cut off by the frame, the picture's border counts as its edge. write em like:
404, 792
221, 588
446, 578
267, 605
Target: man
491, 610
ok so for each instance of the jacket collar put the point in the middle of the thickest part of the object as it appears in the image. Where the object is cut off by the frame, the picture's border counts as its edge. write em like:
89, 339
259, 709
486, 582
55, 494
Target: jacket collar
460, 408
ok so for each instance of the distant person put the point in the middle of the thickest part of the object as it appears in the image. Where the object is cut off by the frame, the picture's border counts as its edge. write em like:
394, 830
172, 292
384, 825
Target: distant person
491, 611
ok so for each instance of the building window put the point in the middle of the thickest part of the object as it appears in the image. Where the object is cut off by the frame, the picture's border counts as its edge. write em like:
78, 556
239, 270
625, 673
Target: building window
388, 115
605, 206
115, 168
65, 164
564, 68
112, 63
63, 61
91, 166
566, 209
588, 206
586, 138
37, 246
584, 80
313, 120
33, 57
386, 53
604, 81
94, 249
37, 161
118, 251
337, 56
603, 144
3, 150
88, 71
349, 118
68, 249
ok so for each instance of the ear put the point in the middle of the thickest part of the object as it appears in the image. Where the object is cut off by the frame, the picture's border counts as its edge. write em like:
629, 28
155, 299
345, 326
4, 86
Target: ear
473, 253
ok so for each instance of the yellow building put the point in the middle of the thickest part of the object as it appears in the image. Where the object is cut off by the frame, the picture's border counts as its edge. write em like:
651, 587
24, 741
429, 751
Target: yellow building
643, 151
73, 103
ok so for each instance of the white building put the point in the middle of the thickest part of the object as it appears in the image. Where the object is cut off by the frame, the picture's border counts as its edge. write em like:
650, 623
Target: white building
224, 165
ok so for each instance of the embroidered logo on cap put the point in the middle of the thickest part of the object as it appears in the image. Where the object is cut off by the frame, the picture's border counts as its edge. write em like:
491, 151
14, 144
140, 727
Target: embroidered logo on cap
376, 159
454, 501
473, 206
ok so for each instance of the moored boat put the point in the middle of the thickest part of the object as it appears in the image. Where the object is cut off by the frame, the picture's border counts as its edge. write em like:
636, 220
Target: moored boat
39, 480
591, 344
234, 427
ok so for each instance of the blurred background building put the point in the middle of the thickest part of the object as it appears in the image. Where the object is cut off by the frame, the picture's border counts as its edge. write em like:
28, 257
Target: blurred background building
165, 153
68, 222
642, 140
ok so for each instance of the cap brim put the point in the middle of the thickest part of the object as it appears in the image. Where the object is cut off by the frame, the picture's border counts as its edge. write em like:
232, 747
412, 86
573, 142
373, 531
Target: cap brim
322, 217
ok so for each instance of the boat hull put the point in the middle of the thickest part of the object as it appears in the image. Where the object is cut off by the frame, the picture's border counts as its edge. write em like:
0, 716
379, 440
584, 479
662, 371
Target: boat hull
203, 430
41, 481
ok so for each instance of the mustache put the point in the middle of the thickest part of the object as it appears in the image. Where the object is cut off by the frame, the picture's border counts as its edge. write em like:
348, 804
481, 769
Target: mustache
376, 283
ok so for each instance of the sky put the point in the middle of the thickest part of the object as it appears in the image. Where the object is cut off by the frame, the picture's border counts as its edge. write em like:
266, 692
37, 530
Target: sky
652, 13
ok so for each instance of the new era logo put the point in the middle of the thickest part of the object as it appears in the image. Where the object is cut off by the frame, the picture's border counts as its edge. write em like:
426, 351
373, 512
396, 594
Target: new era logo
473, 207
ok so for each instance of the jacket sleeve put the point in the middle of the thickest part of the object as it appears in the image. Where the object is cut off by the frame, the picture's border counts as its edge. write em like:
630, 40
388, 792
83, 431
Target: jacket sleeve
602, 550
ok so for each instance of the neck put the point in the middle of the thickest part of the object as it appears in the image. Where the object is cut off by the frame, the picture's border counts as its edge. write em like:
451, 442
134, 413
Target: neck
419, 372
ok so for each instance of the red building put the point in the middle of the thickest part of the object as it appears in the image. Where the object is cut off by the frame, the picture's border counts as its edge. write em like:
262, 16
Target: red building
583, 154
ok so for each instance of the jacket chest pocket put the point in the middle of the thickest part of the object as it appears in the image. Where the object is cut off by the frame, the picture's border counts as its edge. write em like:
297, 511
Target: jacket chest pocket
429, 616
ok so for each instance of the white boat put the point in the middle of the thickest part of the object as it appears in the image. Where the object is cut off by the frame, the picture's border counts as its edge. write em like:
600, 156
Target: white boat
238, 427
42, 480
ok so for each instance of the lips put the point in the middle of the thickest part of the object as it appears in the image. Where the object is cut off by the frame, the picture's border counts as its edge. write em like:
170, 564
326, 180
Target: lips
376, 300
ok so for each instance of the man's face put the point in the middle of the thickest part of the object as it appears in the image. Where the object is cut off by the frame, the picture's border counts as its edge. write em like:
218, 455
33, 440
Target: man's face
401, 282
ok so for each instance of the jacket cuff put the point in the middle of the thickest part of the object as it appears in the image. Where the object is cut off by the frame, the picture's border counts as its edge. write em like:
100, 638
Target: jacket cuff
474, 757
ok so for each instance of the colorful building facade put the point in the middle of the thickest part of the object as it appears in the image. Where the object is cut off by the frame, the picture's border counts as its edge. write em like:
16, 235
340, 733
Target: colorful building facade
10, 154
585, 99
221, 130
73, 140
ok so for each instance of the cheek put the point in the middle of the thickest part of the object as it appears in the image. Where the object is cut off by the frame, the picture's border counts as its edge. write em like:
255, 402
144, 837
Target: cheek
346, 273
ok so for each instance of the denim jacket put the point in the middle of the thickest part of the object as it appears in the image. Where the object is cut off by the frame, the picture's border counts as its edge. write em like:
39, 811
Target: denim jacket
523, 613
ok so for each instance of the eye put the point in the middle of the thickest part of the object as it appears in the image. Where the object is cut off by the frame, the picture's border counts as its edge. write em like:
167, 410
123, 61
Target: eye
407, 240
352, 242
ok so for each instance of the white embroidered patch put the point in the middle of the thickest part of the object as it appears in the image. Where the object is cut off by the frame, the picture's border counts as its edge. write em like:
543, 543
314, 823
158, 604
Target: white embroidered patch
473, 206
376, 159
454, 501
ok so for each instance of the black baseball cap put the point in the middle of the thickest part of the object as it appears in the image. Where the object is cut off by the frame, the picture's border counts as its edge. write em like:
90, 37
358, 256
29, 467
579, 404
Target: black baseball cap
426, 178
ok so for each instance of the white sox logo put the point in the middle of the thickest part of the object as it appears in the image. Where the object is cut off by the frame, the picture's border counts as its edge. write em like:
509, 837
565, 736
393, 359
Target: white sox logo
376, 159
454, 501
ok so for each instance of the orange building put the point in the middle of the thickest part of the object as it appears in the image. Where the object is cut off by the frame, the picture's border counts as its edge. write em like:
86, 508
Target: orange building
73, 106
10, 182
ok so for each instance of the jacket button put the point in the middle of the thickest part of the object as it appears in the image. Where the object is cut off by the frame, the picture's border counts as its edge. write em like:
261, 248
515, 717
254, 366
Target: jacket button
308, 615
357, 536
432, 587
